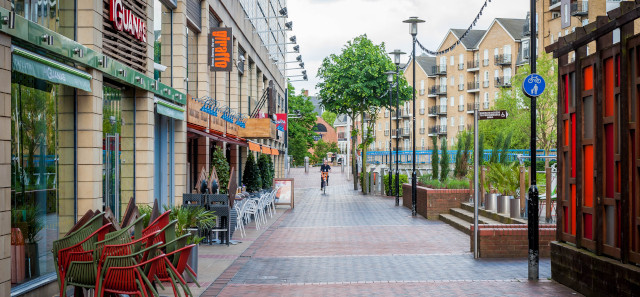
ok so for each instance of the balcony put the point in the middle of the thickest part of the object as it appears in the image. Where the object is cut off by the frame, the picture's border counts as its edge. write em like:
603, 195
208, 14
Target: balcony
421, 92
470, 107
580, 8
258, 128
473, 86
438, 90
485, 62
433, 111
554, 4
396, 115
461, 128
406, 114
406, 132
461, 107
442, 109
503, 59
461, 66
460, 87
421, 110
439, 70
503, 82
485, 105
442, 130
394, 133
386, 133
433, 130
470, 127
485, 84
473, 65
422, 130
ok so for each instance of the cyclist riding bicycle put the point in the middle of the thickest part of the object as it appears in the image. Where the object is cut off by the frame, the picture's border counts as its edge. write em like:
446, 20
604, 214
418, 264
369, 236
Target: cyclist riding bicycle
325, 169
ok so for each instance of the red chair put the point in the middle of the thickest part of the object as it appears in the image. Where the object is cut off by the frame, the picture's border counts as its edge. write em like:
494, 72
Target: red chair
128, 248
64, 255
132, 279
173, 270
161, 223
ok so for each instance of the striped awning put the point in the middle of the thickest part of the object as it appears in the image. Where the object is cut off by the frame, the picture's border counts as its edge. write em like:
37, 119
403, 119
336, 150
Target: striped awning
275, 152
254, 147
266, 150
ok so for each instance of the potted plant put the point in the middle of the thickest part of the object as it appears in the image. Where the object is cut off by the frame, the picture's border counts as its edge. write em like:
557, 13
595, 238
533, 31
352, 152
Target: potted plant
189, 219
506, 179
30, 225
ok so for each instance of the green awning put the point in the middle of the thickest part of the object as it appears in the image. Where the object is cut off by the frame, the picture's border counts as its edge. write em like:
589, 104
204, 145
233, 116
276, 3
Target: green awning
169, 109
43, 68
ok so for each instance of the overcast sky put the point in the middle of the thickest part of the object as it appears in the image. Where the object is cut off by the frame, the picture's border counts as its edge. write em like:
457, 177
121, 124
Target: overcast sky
322, 27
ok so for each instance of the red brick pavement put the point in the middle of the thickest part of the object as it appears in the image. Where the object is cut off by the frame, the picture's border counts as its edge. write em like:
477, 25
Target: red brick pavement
362, 238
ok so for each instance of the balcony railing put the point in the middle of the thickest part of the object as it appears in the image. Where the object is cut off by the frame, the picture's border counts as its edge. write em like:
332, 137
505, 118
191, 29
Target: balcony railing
386, 132
405, 132
406, 113
421, 130
442, 109
421, 110
461, 66
580, 8
470, 107
439, 70
503, 59
485, 105
475, 64
461, 128
485, 62
461, 107
438, 90
433, 110
485, 84
473, 85
433, 130
503, 82
396, 114
442, 129
460, 87
469, 127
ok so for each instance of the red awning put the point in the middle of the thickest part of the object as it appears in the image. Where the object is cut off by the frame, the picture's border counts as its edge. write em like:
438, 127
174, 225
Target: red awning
218, 137
266, 150
254, 147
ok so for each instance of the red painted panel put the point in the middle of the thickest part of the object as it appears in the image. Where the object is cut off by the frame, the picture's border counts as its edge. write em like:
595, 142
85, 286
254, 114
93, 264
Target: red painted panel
566, 133
573, 209
617, 70
588, 176
609, 161
566, 219
588, 78
588, 226
609, 78
573, 145
566, 93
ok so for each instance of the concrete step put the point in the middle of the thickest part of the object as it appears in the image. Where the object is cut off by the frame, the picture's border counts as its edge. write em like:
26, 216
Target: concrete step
500, 218
468, 216
456, 222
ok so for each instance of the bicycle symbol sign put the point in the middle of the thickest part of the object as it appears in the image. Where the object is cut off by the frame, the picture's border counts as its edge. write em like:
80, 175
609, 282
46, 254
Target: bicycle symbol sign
533, 85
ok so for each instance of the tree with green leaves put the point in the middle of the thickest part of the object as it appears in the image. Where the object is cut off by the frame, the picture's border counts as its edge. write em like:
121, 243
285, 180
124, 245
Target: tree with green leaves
495, 151
300, 127
321, 149
219, 162
506, 145
518, 106
435, 157
444, 161
462, 155
353, 83
265, 171
251, 175
329, 117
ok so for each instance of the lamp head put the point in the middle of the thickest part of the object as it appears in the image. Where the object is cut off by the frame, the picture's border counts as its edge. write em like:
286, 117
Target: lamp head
413, 25
283, 12
296, 48
390, 75
301, 64
396, 56
299, 58
292, 39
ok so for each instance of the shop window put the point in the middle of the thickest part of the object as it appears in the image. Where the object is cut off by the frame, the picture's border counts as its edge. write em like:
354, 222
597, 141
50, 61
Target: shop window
55, 15
192, 62
162, 42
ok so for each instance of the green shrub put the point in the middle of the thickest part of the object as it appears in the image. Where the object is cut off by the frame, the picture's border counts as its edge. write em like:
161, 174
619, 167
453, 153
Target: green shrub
265, 171
447, 184
392, 191
457, 184
444, 161
434, 158
219, 162
251, 177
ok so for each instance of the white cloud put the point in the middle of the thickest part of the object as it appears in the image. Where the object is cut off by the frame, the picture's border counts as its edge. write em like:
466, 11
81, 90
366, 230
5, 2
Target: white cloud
322, 27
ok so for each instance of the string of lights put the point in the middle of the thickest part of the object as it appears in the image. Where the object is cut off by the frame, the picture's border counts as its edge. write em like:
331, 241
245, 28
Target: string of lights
450, 48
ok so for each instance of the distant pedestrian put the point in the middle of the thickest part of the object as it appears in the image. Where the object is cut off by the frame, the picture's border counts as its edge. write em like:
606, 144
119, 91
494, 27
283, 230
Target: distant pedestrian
325, 168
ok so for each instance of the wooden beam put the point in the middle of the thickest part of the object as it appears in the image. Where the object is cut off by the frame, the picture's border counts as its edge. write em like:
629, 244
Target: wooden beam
626, 32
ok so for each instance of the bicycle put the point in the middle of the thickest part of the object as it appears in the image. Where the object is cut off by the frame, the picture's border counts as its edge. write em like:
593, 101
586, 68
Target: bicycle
325, 175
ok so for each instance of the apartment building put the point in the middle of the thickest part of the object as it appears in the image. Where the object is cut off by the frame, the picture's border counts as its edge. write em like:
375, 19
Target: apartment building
448, 85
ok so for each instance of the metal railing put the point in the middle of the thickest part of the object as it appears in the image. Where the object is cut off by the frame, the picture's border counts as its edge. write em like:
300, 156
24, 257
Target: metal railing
422, 130
470, 107
461, 107
503, 59
433, 110
485, 62
503, 82
460, 87
461, 66
580, 8
421, 110
473, 64
439, 70
461, 128
442, 129
485, 84
485, 105
473, 85
442, 109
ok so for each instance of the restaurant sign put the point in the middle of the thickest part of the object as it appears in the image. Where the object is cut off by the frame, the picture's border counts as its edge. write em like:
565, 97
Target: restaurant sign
124, 20
220, 49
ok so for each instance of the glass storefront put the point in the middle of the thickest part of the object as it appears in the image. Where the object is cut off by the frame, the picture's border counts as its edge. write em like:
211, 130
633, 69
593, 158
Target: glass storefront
56, 15
35, 175
112, 123
162, 46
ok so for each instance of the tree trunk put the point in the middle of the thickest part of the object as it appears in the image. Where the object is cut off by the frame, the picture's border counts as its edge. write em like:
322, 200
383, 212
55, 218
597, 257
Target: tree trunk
354, 163
363, 172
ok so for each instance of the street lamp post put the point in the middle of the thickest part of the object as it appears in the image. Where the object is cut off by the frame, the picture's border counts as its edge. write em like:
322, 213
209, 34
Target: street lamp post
396, 60
413, 30
390, 80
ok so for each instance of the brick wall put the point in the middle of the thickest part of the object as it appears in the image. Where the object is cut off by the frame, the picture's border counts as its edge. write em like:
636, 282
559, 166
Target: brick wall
510, 241
430, 203
593, 275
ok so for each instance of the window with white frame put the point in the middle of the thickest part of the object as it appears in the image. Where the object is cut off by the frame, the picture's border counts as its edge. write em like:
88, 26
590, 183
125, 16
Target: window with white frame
486, 97
453, 80
422, 84
507, 75
486, 54
421, 123
443, 61
422, 143
461, 59
453, 121
496, 73
461, 79
461, 102
453, 101
486, 75
461, 120
452, 61
422, 103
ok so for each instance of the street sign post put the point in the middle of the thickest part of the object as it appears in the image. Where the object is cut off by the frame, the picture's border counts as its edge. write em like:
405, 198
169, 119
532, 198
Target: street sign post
480, 115
533, 85
492, 115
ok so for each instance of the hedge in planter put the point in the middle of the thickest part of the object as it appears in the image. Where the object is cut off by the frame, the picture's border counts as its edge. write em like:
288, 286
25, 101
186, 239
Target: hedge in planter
265, 171
219, 161
251, 176
391, 192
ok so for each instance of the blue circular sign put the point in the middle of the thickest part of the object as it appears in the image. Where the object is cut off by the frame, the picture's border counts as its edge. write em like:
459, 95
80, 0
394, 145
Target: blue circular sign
533, 85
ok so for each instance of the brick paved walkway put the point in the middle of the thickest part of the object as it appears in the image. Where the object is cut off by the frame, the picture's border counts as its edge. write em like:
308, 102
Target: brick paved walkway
347, 244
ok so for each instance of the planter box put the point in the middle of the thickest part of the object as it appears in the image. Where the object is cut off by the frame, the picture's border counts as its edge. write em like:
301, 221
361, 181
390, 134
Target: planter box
258, 128
510, 240
430, 203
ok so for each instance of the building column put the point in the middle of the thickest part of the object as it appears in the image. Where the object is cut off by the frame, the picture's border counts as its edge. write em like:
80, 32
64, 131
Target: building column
203, 154
180, 159
5, 165
145, 135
